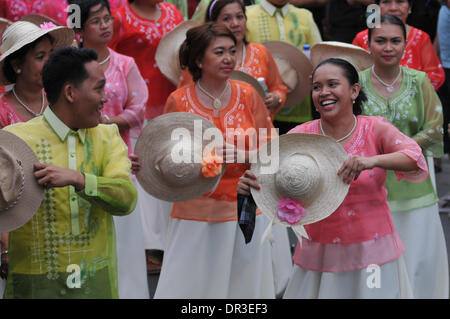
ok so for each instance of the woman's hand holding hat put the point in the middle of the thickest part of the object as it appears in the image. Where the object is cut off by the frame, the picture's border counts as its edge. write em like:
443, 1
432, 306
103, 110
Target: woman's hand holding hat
247, 181
135, 165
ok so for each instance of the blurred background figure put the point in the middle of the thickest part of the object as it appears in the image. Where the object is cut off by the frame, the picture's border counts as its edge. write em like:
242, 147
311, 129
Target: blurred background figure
138, 27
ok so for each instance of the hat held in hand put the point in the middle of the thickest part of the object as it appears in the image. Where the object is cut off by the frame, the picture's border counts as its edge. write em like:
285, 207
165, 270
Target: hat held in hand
20, 194
306, 187
178, 167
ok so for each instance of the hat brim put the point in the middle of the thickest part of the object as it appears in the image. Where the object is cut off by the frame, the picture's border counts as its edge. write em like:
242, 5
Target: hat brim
166, 55
62, 36
33, 193
299, 62
358, 57
39, 19
329, 157
245, 77
153, 141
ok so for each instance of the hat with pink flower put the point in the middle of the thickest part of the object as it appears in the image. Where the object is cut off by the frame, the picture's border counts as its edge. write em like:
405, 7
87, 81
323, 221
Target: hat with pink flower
305, 187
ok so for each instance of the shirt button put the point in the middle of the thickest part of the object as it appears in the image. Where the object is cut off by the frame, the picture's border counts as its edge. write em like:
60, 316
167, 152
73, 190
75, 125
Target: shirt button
72, 155
74, 198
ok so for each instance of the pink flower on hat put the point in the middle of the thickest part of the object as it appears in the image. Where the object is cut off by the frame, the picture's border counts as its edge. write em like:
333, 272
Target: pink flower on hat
290, 210
47, 26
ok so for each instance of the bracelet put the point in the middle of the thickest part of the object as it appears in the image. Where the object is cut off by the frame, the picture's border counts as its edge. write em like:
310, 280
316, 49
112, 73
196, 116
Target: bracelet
5, 252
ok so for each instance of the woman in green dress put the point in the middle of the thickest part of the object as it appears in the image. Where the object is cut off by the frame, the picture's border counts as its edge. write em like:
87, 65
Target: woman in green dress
406, 98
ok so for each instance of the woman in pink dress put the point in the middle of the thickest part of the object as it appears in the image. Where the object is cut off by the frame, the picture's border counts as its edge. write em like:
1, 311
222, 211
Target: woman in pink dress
126, 92
359, 238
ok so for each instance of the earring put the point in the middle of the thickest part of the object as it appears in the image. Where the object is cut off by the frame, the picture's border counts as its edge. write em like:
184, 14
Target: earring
19, 71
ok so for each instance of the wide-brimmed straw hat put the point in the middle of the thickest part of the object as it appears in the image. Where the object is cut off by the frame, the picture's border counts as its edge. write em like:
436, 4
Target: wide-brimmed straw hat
168, 49
171, 151
20, 194
306, 180
294, 68
21, 33
358, 57
245, 77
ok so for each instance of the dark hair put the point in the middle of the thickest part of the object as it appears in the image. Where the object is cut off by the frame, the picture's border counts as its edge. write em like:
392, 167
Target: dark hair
350, 73
85, 8
409, 1
65, 65
197, 41
213, 13
390, 19
19, 55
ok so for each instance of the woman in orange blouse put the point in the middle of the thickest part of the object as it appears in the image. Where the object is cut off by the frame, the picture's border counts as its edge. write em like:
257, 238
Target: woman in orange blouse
251, 58
206, 256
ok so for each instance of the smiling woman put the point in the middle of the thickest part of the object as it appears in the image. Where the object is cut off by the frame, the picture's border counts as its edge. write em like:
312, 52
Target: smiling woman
206, 256
334, 261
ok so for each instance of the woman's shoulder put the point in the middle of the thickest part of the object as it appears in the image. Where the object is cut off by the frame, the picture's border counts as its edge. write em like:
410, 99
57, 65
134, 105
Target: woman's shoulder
418, 75
119, 57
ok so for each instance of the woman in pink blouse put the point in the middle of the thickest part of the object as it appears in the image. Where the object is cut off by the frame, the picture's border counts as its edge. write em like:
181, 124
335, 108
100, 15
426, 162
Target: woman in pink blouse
359, 238
125, 88
127, 94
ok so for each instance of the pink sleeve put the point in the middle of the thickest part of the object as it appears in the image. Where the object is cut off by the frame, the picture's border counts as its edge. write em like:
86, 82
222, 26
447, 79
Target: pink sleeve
390, 140
137, 97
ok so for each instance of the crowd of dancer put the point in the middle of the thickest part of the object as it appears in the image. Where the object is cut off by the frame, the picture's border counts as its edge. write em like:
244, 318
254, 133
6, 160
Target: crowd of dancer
80, 94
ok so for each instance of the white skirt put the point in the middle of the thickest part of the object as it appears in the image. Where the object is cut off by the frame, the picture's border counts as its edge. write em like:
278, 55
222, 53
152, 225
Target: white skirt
281, 259
211, 260
389, 281
155, 214
132, 267
426, 253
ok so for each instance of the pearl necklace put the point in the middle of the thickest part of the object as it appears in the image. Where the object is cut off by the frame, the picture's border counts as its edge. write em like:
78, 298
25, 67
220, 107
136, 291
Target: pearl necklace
342, 138
105, 60
217, 104
389, 87
26, 106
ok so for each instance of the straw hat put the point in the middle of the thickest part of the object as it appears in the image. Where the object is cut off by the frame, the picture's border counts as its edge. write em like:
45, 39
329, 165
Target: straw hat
163, 173
245, 77
39, 19
168, 49
307, 173
358, 57
294, 68
20, 194
21, 33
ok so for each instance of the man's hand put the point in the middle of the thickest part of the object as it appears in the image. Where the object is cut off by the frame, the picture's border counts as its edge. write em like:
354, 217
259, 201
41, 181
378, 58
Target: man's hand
51, 176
